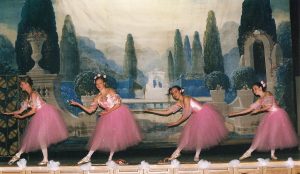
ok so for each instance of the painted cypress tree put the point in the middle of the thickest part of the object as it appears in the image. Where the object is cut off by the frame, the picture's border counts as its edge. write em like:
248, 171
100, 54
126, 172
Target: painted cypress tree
256, 15
187, 53
213, 59
170, 67
197, 56
284, 39
38, 14
179, 62
130, 60
69, 51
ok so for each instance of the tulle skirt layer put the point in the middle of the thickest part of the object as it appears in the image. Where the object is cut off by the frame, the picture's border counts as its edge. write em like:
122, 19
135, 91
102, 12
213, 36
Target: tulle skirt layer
275, 131
46, 127
115, 131
205, 128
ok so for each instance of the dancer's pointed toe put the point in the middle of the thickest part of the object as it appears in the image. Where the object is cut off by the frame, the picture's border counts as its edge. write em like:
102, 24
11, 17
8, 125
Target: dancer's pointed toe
174, 156
273, 157
43, 163
245, 155
84, 160
14, 159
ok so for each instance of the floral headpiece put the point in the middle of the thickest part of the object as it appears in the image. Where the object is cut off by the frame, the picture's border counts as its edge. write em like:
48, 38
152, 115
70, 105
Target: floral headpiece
263, 84
99, 76
181, 90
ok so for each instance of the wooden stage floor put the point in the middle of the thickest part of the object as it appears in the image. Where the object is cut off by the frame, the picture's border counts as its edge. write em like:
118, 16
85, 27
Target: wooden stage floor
220, 159
278, 167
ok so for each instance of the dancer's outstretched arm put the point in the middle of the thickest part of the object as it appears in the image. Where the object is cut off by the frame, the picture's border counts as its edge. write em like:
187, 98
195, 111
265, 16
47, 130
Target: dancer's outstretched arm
32, 111
23, 107
252, 109
241, 113
165, 112
266, 106
29, 113
89, 109
186, 113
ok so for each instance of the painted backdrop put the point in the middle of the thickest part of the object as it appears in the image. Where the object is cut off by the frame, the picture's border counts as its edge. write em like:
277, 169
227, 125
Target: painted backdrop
145, 46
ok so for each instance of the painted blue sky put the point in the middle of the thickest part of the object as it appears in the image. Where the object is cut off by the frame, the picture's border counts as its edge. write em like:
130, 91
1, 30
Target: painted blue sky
151, 22
140, 17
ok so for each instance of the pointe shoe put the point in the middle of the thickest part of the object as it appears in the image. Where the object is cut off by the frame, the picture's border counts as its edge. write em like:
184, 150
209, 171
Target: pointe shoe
196, 159
14, 159
42, 163
174, 156
245, 155
274, 157
84, 160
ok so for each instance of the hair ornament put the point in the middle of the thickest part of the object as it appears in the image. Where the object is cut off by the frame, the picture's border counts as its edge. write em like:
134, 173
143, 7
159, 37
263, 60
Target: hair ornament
263, 83
100, 75
181, 90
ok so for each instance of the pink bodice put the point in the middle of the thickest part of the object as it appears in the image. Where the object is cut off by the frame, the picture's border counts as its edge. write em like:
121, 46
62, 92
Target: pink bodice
194, 107
265, 102
111, 101
37, 102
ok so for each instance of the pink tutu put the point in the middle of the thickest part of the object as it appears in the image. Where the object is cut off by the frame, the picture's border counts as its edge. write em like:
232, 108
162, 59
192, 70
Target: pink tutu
275, 131
205, 128
46, 127
115, 131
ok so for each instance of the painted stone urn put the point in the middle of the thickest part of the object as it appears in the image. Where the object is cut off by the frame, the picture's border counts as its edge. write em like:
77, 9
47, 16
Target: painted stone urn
36, 38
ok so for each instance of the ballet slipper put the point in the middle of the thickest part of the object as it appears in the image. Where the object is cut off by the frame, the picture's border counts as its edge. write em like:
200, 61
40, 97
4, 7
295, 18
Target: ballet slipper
174, 156
14, 159
84, 160
245, 155
274, 157
43, 163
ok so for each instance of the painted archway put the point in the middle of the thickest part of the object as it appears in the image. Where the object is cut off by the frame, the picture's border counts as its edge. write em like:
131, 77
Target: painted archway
272, 55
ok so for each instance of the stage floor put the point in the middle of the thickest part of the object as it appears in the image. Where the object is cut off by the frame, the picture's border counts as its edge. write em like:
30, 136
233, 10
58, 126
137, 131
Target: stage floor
134, 156
273, 167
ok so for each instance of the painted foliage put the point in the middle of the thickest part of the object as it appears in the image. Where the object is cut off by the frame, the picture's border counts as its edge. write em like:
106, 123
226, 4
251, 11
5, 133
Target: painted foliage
145, 46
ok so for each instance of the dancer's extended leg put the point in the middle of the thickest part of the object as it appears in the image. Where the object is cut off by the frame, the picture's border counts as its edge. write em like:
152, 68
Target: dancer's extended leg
175, 154
87, 158
15, 158
247, 154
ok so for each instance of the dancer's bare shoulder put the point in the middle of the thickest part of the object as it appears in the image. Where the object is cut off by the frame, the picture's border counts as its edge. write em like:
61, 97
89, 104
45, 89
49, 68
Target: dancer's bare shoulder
268, 93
